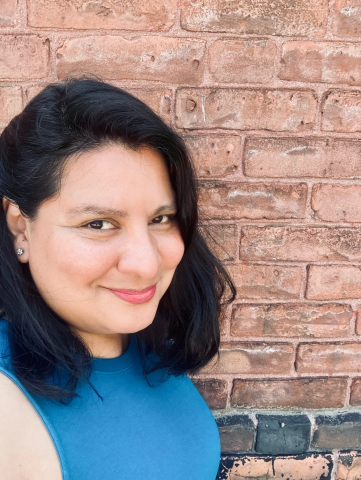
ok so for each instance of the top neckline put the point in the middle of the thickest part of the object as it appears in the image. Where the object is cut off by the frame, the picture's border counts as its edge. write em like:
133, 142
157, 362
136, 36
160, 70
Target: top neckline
117, 364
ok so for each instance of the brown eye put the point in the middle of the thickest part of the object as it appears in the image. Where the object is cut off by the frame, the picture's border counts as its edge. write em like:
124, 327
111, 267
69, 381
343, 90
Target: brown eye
99, 225
162, 219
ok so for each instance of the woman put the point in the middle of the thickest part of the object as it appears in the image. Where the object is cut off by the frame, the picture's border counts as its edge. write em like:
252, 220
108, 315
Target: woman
109, 294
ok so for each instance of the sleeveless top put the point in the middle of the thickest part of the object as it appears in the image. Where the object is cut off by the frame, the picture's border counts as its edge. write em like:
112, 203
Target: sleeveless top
137, 432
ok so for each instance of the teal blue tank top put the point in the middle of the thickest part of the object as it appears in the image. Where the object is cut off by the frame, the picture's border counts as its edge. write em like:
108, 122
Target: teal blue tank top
138, 432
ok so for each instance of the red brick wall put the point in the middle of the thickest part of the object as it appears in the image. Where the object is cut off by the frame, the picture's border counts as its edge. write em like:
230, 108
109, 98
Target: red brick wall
267, 95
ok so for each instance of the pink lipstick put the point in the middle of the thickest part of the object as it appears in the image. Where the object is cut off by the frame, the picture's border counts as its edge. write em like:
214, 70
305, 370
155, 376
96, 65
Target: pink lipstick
136, 296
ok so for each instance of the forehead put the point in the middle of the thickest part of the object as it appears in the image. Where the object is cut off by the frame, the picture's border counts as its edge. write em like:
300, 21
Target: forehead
115, 175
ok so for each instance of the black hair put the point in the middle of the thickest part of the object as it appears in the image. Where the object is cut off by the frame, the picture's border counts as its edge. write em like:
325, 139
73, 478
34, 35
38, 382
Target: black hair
62, 120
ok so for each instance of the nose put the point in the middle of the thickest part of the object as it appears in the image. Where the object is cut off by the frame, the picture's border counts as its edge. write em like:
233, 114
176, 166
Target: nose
140, 257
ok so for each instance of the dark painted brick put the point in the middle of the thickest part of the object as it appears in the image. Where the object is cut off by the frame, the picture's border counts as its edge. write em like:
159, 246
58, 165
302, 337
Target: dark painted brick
283, 434
237, 433
340, 431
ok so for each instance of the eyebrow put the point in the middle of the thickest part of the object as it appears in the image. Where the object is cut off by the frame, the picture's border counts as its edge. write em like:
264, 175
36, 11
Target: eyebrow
110, 212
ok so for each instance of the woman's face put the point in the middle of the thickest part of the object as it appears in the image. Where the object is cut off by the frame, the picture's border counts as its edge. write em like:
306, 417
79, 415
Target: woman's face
110, 229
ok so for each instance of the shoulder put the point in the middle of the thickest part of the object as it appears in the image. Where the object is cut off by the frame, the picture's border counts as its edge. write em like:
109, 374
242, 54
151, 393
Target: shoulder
26, 450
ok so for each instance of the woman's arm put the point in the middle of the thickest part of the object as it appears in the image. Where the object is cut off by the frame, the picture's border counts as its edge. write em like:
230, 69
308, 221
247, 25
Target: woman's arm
26, 449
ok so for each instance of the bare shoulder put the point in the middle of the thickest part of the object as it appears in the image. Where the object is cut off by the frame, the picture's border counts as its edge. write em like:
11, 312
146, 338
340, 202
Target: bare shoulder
26, 449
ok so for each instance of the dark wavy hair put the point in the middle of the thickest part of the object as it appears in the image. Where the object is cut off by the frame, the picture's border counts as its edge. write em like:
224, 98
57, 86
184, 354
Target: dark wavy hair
62, 120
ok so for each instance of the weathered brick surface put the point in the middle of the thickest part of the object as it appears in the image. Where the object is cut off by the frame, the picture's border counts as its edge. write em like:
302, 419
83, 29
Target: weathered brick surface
309, 393
334, 282
355, 399
313, 466
220, 200
337, 203
238, 61
338, 431
349, 466
222, 239
266, 281
321, 62
302, 157
291, 320
158, 99
341, 111
214, 392
253, 358
214, 156
303, 17
10, 103
329, 358
23, 57
303, 244
31, 91
237, 433
7, 12
165, 59
347, 18
283, 434
84, 14
246, 109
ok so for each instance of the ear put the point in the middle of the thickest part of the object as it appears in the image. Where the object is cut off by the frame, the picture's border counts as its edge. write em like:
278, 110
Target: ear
17, 226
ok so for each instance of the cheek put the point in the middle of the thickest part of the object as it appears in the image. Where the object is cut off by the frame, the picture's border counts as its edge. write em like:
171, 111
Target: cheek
70, 259
171, 249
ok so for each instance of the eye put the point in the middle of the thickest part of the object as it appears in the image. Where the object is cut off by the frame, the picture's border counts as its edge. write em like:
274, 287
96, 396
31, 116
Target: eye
99, 225
163, 219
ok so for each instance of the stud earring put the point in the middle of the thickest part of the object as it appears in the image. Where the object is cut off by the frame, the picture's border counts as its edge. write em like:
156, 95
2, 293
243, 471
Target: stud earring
19, 251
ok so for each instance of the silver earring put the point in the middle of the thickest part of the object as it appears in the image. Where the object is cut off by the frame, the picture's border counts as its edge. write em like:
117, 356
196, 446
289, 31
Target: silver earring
19, 251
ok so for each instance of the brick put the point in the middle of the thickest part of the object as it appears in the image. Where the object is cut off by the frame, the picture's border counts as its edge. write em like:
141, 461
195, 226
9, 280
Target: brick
164, 59
341, 111
355, 399
31, 91
338, 431
213, 156
158, 99
281, 17
246, 109
7, 12
214, 392
253, 358
291, 320
337, 203
222, 240
321, 62
283, 434
221, 200
311, 466
302, 157
10, 103
23, 57
266, 281
347, 21
84, 14
327, 282
328, 358
300, 244
237, 433
349, 466
291, 393
242, 61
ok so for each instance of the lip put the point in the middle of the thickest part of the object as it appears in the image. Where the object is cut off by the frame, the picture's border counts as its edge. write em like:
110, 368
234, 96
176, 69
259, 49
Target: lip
135, 296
